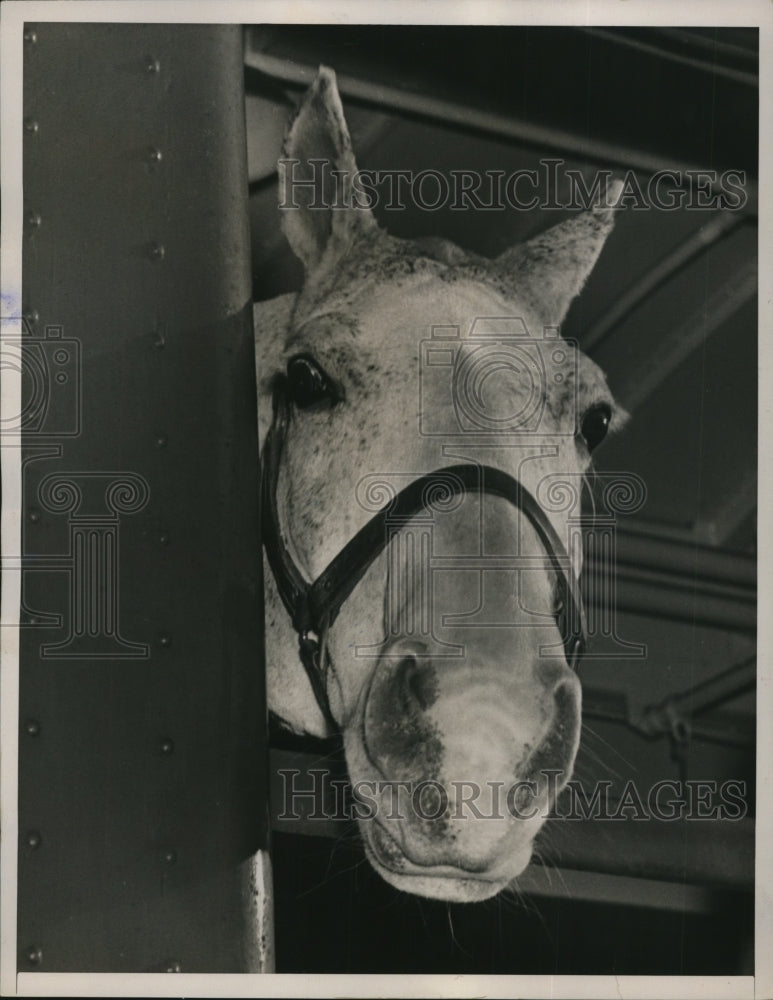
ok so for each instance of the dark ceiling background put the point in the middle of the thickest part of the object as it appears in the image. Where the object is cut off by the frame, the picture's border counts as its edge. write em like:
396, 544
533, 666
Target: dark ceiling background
670, 313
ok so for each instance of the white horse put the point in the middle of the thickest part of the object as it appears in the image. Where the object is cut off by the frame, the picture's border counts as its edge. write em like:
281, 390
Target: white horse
451, 686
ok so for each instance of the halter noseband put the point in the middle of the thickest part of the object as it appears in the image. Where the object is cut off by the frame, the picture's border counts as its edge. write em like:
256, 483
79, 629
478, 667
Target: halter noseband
313, 607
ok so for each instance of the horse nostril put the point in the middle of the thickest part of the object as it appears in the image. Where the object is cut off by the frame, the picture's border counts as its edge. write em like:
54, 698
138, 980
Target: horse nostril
417, 681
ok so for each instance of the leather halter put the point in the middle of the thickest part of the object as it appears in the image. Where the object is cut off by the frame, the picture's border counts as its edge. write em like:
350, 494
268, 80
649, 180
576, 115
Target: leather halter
313, 607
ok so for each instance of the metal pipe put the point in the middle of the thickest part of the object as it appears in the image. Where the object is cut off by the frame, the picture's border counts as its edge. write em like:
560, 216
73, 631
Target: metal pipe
678, 850
722, 687
736, 75
671, 578
712, 44
566, 883
724, 733
640, 544
722, 729
740, 288
691, 607
668, 267
464, 116
724, 516
624, 574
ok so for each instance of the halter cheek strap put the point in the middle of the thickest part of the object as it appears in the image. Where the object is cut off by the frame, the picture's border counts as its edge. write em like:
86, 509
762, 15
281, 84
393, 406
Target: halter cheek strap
313, 607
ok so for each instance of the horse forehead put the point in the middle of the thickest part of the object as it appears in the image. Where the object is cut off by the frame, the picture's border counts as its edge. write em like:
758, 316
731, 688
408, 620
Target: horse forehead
405, 299
379, 262
385, 303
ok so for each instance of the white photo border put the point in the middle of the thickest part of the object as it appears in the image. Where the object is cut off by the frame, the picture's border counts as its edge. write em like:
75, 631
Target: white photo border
644, 13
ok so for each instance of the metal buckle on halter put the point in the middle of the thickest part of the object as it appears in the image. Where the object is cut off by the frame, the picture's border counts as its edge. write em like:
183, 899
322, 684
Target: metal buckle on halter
308, 638
311, 649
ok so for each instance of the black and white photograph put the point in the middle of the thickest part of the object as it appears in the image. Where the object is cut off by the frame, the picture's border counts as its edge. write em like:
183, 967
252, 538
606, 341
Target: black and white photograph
385, 420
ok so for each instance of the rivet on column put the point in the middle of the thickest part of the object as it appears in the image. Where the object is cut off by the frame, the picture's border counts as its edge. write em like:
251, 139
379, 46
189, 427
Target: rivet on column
34, 955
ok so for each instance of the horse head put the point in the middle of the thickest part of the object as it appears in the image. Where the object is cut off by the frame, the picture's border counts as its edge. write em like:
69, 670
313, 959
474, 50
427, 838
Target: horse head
416, 399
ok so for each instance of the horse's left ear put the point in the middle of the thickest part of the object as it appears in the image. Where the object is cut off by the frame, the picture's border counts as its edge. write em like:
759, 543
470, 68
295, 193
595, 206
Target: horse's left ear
320, 211
550, 269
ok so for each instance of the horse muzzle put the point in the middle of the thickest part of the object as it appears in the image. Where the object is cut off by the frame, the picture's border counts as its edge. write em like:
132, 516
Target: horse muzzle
468, 756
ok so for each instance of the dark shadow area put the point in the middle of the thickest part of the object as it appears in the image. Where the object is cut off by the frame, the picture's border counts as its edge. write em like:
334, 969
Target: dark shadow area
334, 914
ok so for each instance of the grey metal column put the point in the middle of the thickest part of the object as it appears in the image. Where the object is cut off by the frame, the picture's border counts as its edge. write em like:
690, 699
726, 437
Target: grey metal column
142, 757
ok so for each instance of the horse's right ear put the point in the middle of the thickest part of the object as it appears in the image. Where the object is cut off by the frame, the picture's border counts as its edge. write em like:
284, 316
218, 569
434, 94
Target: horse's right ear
320, 213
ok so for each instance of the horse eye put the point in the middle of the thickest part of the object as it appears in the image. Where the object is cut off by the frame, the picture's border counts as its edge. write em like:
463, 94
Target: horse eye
307, 382
595, 424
